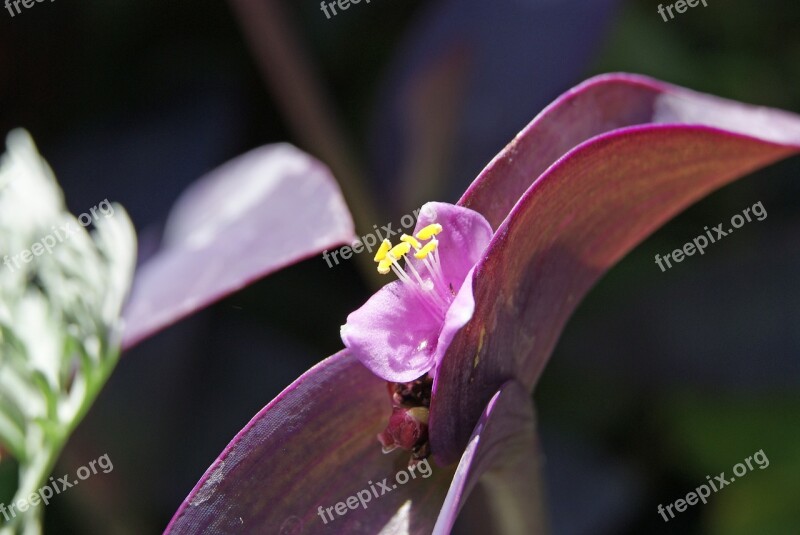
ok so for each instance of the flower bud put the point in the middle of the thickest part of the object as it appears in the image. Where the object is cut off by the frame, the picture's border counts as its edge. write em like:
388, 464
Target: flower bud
407, 429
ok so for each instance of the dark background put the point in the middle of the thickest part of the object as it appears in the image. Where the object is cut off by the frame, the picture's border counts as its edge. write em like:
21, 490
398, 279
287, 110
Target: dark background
659, 380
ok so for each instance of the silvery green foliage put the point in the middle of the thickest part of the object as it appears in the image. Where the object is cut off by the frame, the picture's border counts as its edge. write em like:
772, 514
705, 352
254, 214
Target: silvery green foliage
59, 315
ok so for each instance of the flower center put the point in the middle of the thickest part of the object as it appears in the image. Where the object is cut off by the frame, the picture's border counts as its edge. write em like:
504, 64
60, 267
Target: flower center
430, 286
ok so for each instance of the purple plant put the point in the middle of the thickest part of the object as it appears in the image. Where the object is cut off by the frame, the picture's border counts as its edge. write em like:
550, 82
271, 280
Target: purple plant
478, 312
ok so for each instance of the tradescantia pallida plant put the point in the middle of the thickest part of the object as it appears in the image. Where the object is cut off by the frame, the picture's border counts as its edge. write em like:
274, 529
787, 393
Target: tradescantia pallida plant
460, 339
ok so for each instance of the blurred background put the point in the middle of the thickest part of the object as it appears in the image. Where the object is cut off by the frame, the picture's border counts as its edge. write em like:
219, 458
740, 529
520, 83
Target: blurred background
659, 379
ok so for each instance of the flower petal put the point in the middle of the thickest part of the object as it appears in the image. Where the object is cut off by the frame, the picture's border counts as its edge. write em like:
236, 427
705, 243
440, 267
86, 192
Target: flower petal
396, 335
314, 446
458, 315
503, 454
464, 237
254, 215
580, 217
392, 335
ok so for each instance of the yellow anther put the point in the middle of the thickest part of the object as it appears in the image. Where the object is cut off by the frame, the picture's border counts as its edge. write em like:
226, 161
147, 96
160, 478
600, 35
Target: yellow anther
391, 256
430, 231
382, 250
385, 266
412, 240
428, 249
400, 250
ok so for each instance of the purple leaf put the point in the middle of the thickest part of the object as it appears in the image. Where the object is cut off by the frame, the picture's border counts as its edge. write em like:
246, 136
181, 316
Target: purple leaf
254, 215
656, 149
503, 454
601, 105
314, 446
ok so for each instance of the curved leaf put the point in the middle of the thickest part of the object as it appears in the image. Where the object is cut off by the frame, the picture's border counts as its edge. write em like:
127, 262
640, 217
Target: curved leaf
600, 105
503, 453
579, 217
258, 213
314, 446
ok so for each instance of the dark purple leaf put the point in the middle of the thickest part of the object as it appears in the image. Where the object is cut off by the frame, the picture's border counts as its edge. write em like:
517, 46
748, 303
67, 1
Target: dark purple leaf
581, 215
313, 446
502, 454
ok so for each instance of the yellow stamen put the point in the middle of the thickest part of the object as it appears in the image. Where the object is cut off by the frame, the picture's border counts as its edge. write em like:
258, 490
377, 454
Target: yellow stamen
382, 250
385, 266
430, 231
396, 253
412, 240
428, 249
400, 250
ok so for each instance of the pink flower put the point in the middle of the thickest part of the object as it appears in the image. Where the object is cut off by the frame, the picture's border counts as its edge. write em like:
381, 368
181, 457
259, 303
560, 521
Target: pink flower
404, 329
